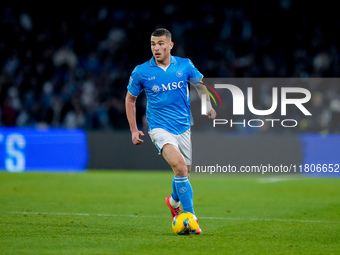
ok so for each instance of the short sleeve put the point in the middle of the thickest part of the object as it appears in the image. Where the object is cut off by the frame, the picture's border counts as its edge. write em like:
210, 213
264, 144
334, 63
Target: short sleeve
135, 86
195, 75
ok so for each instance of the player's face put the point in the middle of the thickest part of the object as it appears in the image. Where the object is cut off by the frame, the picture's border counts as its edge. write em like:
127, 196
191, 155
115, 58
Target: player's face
161, 47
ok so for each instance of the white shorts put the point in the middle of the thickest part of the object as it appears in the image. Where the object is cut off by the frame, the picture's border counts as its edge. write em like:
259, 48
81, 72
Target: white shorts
160, 137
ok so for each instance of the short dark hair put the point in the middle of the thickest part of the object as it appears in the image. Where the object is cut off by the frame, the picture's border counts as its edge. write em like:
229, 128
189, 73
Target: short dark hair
160, 32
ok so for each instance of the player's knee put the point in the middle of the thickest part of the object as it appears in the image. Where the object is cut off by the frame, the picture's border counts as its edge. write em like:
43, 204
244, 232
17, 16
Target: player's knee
180, 169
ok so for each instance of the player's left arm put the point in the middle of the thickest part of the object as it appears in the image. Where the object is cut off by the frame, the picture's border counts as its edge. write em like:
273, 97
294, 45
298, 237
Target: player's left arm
195, 78
201, 89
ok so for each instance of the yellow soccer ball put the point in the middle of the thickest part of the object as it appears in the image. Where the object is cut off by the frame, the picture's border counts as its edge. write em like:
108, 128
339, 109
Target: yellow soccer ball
185, 223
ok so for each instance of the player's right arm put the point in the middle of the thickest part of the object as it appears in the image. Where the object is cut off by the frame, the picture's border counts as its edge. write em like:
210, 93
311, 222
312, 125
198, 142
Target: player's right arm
134, 88
130, 106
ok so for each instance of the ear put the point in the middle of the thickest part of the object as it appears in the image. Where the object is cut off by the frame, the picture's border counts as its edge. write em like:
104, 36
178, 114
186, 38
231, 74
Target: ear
171, 45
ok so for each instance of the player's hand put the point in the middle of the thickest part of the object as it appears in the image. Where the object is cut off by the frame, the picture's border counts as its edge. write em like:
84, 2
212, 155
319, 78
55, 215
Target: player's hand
211, 114
135, 137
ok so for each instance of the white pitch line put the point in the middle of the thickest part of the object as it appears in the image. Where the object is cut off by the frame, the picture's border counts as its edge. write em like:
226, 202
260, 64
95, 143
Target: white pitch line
273, 180
159, 216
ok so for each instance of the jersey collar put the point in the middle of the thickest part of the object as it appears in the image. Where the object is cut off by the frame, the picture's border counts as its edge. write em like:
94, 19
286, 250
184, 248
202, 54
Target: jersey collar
153, 62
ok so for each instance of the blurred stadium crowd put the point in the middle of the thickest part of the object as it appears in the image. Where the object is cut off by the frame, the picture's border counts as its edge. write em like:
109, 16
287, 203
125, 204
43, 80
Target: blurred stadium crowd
68, 66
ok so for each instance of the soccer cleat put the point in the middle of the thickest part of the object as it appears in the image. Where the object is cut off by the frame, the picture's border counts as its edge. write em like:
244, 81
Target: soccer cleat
198, 231
174, 211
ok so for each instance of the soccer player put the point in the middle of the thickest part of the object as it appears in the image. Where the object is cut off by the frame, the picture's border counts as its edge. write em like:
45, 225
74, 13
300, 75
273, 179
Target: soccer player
166, 80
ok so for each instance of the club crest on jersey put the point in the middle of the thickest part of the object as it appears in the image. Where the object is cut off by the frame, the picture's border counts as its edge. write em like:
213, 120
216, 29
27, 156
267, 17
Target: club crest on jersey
179, 73
155, 88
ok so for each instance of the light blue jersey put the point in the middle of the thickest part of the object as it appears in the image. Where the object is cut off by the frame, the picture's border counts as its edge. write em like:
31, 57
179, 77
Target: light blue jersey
168, 97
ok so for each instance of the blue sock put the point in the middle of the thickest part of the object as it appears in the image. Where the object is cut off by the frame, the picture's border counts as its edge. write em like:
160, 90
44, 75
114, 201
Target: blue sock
174, 191
185, 193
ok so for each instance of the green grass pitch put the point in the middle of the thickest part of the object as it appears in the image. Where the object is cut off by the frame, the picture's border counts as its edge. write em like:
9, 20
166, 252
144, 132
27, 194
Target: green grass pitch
123, 212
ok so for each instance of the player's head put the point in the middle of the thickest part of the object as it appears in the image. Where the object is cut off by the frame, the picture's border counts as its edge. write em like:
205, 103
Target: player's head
161, 44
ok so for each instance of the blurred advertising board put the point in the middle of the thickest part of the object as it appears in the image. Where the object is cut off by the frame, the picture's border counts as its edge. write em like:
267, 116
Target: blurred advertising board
43, 150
